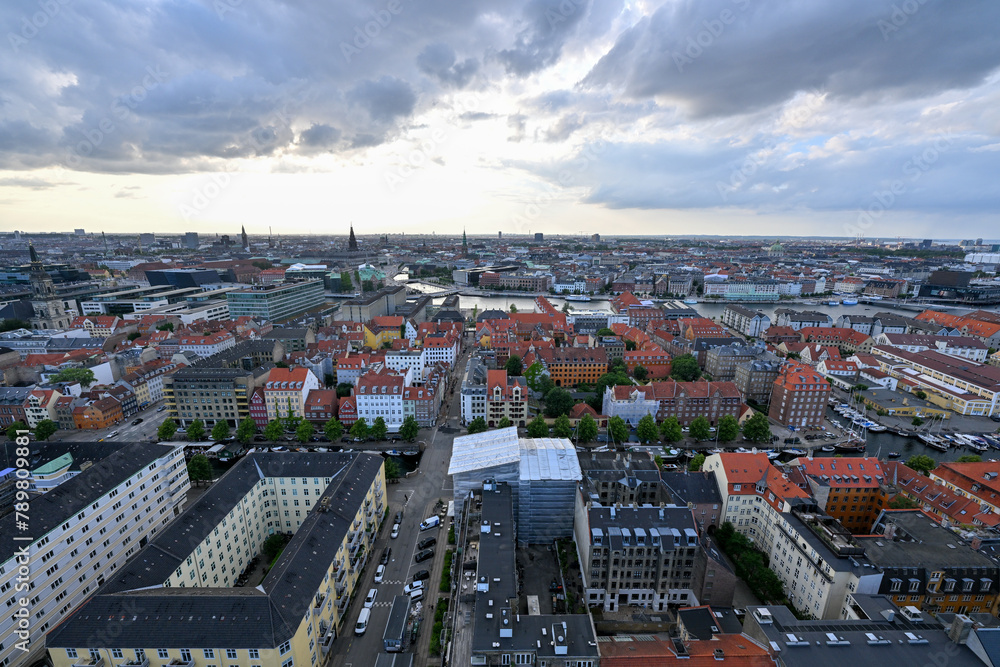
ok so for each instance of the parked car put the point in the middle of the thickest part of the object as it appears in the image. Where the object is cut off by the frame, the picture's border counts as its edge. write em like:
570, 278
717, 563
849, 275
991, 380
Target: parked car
395, 531
424, 555
379, 574
420, 575
386, 555
426, 544
136, 421
370, 598
409, 588
399, 517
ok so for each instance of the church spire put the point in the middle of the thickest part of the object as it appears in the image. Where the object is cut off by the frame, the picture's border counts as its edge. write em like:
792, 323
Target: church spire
34, 255
352, 242
465, 243
243, 237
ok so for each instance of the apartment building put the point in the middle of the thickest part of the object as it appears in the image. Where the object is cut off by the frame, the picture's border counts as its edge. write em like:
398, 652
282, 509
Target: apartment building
275, 303
684, 400
755, 379
287, 390
721, 362
745, 320
380, 395
799, 396
97, 414
506, 397
927, 566
787, 317
12, 402
82, 532
570, 366
209, 394
848, 489
621, 478
383, 329
175, 604
206, 346
654, 359
41, 404
976, 481
964, 347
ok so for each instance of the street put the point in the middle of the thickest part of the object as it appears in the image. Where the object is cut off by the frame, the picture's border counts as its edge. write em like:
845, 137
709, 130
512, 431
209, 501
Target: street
151, 420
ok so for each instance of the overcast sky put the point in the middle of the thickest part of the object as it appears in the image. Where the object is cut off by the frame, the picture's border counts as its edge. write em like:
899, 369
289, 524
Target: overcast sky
832, 117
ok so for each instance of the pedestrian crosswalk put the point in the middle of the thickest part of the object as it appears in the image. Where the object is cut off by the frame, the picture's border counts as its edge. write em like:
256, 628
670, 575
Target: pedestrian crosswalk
382, 604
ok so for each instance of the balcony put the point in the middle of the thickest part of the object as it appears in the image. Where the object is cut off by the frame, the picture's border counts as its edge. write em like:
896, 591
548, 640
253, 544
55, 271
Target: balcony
327, 642
89, 662
136, 663
178, 662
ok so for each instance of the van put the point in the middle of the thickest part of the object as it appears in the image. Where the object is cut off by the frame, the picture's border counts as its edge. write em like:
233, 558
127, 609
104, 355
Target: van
429, 522
362, 624
417, 595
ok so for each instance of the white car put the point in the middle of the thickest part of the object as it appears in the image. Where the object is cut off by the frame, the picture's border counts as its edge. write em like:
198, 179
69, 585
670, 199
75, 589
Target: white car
370, 598
415, 586
395, 531
379, 574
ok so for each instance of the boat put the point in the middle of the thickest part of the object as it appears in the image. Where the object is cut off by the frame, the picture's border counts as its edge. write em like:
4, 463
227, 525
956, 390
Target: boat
690, 302
875, 428
827, 448
718, 450
577, 297
849, 447
934, 442
833, 303
893, 455
393, 452
794, 451
671, 454
742, 450
810, 302
411, 452
850, 302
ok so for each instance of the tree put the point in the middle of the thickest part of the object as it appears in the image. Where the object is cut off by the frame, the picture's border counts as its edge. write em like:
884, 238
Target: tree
134, 335
610, 380
504, 423
558, 402
618, 428
410, 429
345, 282
618, 366
537, 428
901, 502
697, 462
545, 385
921, 463
757, 429
166, 429
533, 374
199, 468
646, 430
274, 430
586, 429
920, 393
84, 376
670, 429
333, 429
640, 373
916, 421
684, 368
246, 430
304, 430
970, 458
729, 428
477, 425
699, 429
14, 323
273, 545
604, 332
344, 389
513, 308
392, 470
562, 428
328, 380
221, 430
360, 429
196, 430
379, 429
166, 326
281, 364
514, 366
45, 428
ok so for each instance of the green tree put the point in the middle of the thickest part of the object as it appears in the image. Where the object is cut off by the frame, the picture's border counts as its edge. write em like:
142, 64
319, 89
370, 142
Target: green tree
537, 428
533, 374
684, 368
646, 430
379, 429
618, 366
921, 463
410, 429
640, 373
586, 429
901, 502
921, 394
281, 364
304, 430
166, 326
273, 546
619, 429
328, 380
45, 428
504, 423
729, 428
199, 468
345, 282
344, 389
558, 402
274, 430
477, 425
333, 429
134, 335
513, 308
561, 428
167, 429
196, 430
514, 366
14, 323
970, 458
699, 429
246, 430
757, 429
221, 430
392, 470
360, 429
697, 462
545, 385
916, 421
671, 430
610, 380
84, 376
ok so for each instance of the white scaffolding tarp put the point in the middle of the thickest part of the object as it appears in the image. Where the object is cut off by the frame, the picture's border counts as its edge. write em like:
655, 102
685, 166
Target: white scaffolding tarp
484, 450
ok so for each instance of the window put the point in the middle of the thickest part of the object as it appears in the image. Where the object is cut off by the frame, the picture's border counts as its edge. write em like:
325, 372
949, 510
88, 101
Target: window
162, 653
231, 653
117, 653
71, 653
209, 652
285, 647
254, 654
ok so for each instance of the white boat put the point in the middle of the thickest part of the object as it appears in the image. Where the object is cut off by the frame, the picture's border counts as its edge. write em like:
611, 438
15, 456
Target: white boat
833, 303
850, 302
578, 297
795, 452
690, 302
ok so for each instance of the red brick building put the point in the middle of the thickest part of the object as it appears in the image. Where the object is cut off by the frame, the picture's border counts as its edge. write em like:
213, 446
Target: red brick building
799, 396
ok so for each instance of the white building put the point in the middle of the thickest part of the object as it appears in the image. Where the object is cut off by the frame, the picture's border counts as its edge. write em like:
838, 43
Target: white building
82, 531
381, 395
748, 322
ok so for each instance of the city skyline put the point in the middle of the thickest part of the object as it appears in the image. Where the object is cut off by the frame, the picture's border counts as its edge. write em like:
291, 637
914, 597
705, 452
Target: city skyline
722, 117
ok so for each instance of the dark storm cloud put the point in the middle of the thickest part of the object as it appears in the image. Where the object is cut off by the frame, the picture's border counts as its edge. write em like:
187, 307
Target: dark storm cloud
545, 27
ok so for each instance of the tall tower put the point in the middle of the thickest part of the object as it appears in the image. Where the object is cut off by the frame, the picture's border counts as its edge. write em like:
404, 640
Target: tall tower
243, 237
352, 242
49, 312
465, 243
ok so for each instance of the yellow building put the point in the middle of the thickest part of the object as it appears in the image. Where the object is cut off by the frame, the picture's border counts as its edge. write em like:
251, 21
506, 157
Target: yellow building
332, 504
383, 329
